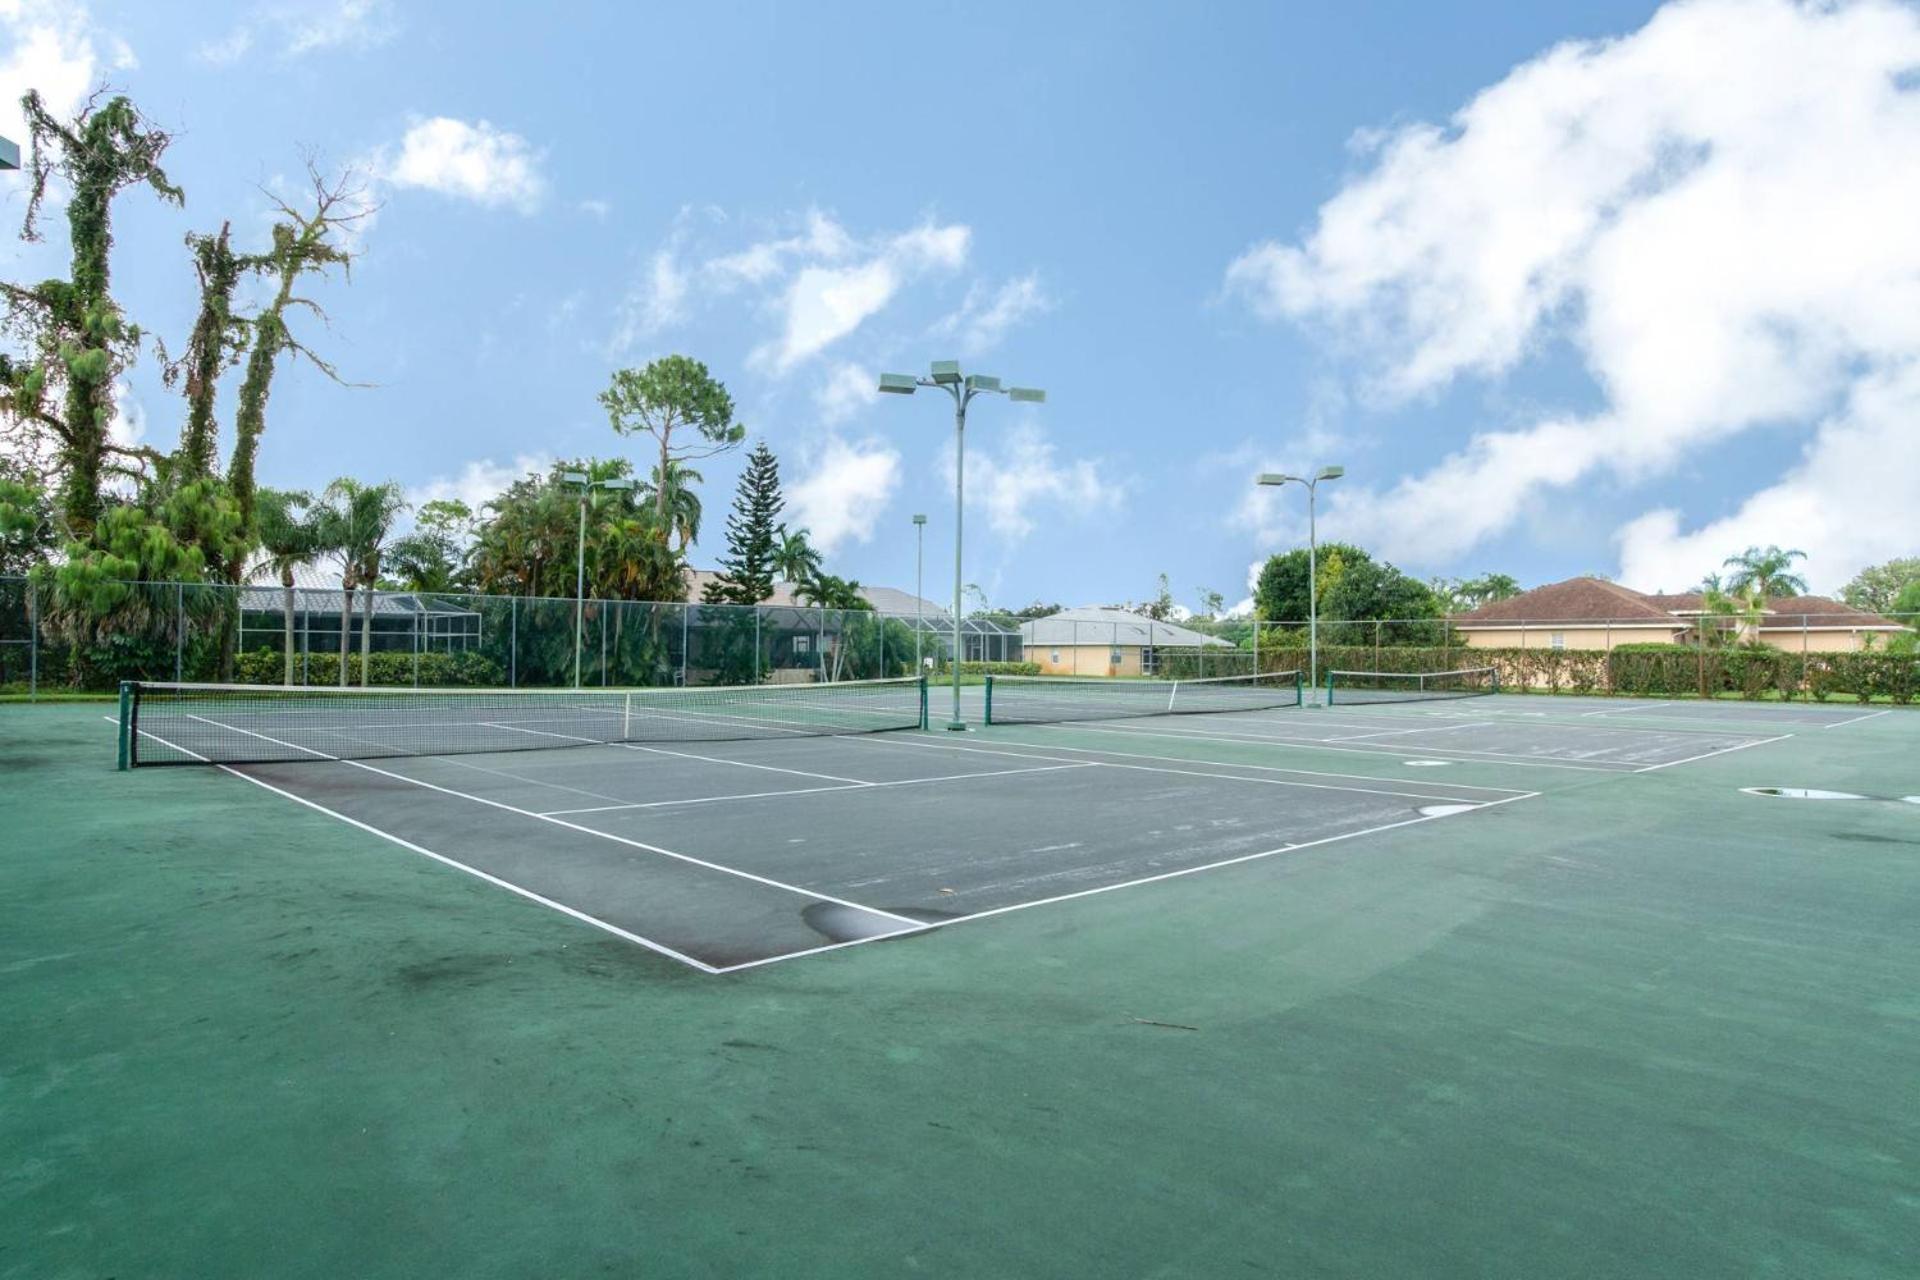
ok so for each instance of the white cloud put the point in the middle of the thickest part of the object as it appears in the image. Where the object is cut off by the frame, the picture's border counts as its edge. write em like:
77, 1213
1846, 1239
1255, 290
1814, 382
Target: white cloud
51, 45
847, 390
1712, 212
845, 491
300, 27
984, 317
476, 162
1026, 473
479, 481
596, 209
824, 304
657, 303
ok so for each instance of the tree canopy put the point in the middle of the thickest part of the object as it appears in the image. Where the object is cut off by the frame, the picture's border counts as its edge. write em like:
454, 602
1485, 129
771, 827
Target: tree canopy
1878, 588
1352, 586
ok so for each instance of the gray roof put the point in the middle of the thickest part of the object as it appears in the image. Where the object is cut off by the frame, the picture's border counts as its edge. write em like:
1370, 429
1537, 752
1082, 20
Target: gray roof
1112, 626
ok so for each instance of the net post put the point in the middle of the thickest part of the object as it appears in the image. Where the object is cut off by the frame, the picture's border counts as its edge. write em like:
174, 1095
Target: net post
626, 717
989, 715
1329, 687
1299, 689
923, 698
1493, 679
126, 725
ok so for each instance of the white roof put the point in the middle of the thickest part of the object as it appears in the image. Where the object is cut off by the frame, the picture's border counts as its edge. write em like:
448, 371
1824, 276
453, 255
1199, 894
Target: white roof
1112, 626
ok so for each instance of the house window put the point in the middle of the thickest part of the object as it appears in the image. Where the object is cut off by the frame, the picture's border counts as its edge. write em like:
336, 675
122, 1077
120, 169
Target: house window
1148, 661
1558, 639
1056, 657
1119, 656
803, 644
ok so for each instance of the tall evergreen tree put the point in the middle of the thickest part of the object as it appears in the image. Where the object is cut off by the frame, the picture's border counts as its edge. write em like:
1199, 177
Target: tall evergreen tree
746, 571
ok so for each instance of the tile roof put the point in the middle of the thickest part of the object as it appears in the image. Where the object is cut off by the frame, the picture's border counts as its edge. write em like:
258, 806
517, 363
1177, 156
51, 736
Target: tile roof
1597, 600
1112, 626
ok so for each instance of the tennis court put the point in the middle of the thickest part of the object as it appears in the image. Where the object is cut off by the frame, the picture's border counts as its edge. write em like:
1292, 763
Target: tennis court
729, 829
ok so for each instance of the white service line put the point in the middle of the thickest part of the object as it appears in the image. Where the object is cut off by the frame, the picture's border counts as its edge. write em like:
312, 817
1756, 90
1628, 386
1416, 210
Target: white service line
745, 764
1130, 884
809, 791
1738, 746
1462, 755
1423, 728
898, 741
456, 864
1621, 711
574, 826
1857, 719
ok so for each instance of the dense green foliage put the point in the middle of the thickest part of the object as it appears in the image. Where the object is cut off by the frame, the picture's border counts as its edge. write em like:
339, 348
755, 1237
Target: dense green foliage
753, 534
1352, 585
427, 670
1880, 588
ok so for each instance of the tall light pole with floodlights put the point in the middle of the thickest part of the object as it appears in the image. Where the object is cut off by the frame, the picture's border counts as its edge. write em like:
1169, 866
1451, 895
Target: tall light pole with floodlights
919, 590
1313, 566
946, 375
586, 484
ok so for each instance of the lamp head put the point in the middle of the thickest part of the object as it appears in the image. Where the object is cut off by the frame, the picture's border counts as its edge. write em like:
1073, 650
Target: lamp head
898, 384
946, 372
1331, 473
1027, 395
9, 154
919, 519
615, 485
573, 477
1274, 478
982, 382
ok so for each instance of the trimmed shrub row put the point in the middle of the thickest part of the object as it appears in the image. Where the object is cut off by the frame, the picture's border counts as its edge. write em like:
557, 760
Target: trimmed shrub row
433, 670
1660, 671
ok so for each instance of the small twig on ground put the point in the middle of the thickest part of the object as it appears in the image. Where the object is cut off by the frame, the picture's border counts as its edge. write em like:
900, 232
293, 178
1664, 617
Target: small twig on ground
1174, 1026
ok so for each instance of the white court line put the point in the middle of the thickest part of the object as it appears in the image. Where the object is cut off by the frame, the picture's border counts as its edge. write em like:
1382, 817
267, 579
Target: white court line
1131, 884
1423, 728
746, 764
811, 791
1740, 746
1463, 755
626, 934
1621, 711
919, 744
1857, 719
574, 826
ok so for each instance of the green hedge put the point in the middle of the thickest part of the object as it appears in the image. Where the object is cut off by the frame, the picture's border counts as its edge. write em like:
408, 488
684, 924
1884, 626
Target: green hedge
992, 669
1646, 670
434, 670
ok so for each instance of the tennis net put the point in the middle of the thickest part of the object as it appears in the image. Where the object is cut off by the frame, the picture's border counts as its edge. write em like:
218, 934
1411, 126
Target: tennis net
1348, 687
1052, 699
232, 724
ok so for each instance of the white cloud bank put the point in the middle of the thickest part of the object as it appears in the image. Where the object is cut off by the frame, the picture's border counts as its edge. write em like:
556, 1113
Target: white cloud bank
52, 46
477, 162
300, 27
1715, 212
819, 284
479, 481
1026, 472
845, 490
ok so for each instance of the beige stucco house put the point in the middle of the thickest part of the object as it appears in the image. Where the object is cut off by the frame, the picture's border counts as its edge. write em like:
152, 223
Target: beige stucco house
1592, 613
1105, 642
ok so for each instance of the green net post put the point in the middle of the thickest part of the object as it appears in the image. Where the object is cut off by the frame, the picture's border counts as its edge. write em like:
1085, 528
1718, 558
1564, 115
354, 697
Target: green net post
1299, 689
1329, 688
989, 716
126, 725
923, 700
1493, 680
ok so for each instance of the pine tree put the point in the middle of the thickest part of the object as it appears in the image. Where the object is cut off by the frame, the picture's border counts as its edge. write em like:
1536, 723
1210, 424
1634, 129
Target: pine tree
746, 571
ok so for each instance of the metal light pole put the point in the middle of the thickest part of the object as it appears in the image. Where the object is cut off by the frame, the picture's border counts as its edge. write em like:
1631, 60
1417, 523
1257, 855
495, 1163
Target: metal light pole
586, 485
946, 375
919, 597
1313, 567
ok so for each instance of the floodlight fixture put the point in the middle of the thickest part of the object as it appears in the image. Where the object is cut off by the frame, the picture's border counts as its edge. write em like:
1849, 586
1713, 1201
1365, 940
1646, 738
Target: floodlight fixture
982, 382
898, 384
615, 485
919, 519
573, 477
9, 154
1027, 395
946, 372
1274, 478
1331, 473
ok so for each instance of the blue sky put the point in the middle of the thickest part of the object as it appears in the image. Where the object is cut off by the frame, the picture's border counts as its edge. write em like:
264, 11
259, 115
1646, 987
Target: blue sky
1566, 287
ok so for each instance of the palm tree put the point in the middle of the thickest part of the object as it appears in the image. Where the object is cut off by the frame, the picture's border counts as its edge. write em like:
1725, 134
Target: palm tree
289, 534
681, 510
1765, 572
359, 518
794, 557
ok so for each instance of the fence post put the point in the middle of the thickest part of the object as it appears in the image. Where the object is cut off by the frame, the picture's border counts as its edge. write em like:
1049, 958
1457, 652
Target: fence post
416, 642
756, 644
603, 644
33, 640
684, 611
306, 639
513, 642
820, 649
179, 631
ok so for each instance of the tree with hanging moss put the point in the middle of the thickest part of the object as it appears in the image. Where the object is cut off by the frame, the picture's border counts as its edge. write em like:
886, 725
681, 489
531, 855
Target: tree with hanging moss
214, 346
747, 570
76, 338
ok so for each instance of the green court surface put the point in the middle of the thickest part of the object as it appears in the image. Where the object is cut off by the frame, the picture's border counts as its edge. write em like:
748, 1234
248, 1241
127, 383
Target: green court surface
1636, 1021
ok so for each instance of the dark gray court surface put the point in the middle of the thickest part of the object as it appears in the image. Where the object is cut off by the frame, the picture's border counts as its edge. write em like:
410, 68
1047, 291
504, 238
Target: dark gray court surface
730, 855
